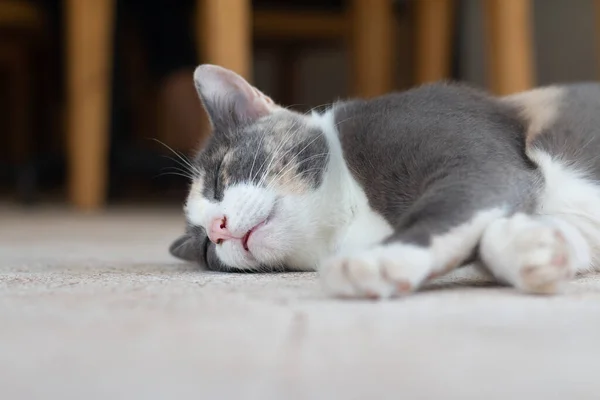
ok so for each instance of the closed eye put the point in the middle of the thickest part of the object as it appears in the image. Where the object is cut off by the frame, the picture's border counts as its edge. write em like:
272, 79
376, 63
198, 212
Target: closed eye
217, 182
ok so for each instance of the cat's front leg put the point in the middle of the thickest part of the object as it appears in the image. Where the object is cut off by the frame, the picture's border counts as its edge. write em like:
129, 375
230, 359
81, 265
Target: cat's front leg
402, 263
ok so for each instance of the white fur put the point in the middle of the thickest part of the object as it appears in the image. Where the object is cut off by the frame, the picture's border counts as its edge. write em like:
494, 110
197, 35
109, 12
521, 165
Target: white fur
357, 224
195, 205
571, 196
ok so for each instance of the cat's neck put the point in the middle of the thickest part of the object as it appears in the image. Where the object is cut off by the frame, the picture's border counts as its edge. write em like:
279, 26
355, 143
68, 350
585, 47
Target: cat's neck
340, 213
341, 194
344, 206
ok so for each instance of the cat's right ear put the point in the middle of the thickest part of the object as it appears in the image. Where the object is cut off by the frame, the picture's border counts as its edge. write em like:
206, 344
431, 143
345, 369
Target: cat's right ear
228, 98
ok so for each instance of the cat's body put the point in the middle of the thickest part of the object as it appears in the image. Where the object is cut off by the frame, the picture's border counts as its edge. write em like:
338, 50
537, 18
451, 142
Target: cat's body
381, 195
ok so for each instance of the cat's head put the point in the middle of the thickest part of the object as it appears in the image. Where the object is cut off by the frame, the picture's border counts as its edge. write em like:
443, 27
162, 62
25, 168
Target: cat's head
257, 192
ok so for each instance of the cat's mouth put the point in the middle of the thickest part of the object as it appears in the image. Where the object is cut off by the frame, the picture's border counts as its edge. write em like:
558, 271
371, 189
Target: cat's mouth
248, 234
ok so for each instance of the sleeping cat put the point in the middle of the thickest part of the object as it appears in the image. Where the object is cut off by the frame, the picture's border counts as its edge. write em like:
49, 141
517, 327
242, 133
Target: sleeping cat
382, 195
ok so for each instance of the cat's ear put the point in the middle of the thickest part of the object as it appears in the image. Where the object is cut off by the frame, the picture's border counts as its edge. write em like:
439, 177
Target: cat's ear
228, 98
185, 248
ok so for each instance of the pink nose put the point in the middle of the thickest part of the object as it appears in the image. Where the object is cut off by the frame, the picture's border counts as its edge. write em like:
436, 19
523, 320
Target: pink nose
218, 232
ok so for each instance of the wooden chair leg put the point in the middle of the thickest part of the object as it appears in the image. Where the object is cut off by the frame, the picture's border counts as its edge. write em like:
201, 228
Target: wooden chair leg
433, 52
225, 34
371, 47
509, 45
89, 30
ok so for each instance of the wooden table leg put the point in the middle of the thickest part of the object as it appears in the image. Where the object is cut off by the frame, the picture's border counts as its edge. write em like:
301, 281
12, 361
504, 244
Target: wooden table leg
433, 51
372, 47
89, 29
225, 34
509, 45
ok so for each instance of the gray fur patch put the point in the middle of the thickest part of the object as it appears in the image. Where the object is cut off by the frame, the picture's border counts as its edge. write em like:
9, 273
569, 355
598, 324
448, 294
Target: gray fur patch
431, 157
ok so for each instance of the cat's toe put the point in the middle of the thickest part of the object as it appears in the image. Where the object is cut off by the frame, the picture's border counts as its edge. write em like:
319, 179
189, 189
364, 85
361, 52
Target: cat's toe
355, 276
546, 263
381, 272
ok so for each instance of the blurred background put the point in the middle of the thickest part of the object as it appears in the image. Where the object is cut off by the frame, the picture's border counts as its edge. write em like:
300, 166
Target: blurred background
93, 93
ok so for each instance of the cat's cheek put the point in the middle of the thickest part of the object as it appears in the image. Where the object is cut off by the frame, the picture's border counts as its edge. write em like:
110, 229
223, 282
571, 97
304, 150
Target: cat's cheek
266, 244
259, 238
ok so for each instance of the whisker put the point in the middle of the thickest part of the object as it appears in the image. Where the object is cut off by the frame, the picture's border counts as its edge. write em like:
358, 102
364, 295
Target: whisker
290, 149
344, 120
179, 156
282, 173
254, 160
179, 163
263, 163
293, 105
173, 173
315, 107
299, 152
178, 170
176, 167
306, 171
288, 135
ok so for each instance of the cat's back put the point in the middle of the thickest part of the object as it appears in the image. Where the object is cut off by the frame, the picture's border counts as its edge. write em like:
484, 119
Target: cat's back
439, 122
435, 105
564, 121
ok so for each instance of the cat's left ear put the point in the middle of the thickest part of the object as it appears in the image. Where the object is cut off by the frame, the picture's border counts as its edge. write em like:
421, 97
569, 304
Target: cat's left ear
228, 98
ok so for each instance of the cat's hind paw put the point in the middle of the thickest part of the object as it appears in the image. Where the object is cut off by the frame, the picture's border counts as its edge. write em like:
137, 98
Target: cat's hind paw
535, 255
381, 272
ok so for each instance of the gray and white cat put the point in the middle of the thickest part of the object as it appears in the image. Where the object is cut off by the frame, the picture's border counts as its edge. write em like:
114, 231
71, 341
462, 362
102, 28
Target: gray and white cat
382, 195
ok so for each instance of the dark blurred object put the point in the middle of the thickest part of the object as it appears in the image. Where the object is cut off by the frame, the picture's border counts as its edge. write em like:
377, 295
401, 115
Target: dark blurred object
24, 53
174, 37
298, 5
153, 96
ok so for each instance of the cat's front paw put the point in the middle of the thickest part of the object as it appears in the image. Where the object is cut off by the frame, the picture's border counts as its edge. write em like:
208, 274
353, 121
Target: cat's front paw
380, 272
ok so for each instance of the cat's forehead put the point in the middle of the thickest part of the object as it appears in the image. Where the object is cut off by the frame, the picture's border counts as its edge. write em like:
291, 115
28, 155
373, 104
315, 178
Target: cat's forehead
276, 127
267, 135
